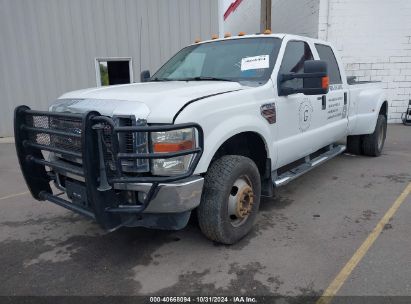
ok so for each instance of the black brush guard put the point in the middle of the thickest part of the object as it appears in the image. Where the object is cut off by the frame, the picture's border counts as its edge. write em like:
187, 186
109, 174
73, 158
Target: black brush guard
84, 137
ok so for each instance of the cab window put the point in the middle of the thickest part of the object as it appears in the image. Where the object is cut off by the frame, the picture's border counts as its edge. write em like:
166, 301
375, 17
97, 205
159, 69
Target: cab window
326, 53
296, 53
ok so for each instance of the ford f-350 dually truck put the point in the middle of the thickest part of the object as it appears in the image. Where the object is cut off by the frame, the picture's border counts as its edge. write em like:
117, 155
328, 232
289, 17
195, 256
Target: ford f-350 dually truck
221, 124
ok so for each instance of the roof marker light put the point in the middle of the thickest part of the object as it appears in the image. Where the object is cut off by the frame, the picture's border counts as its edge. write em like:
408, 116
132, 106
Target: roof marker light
198, 40
214, 37
241, 33
227, 35
267, 32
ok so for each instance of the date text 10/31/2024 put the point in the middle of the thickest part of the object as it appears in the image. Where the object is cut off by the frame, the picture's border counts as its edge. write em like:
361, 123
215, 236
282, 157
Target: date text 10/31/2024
199, 299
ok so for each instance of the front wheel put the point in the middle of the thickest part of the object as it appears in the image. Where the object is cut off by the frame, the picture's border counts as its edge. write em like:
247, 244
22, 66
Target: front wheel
372, 144
230, 199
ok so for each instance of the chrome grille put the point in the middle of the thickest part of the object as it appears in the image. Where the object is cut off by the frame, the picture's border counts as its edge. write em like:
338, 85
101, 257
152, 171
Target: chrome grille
68, 125
133, 142
129, 142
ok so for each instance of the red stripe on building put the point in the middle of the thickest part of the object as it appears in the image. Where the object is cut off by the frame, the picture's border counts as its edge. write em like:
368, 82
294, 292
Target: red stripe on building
233, 6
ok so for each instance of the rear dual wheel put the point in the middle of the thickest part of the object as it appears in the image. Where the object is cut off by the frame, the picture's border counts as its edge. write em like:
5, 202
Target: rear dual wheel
230, 199
370, 144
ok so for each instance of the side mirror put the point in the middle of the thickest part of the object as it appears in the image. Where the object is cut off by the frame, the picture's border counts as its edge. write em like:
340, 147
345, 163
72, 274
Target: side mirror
145, 76
315, 79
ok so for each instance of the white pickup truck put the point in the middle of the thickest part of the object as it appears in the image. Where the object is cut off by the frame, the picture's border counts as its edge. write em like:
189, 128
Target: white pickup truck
221, 124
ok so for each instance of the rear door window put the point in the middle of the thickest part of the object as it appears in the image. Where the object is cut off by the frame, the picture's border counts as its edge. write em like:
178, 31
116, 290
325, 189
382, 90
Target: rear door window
326, 53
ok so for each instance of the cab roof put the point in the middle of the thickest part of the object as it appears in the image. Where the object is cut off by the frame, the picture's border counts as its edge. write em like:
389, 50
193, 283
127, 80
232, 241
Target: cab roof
262, 35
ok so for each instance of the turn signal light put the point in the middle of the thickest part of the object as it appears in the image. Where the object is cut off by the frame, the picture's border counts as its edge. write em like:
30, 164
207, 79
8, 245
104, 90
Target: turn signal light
214, 37
173, 147
227, 35
267, 32
325, 82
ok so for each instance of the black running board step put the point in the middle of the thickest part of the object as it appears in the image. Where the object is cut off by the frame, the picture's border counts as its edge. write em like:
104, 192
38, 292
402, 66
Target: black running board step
292, 174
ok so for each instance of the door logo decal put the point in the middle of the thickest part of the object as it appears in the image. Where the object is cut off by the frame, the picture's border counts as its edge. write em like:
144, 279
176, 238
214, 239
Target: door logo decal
305, 115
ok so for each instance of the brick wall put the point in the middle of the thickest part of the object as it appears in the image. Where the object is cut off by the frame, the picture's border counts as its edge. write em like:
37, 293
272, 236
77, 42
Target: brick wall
374, 41
298, 17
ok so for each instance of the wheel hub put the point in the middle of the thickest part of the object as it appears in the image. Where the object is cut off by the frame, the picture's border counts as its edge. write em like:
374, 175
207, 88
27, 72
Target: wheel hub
240, 201
245, 202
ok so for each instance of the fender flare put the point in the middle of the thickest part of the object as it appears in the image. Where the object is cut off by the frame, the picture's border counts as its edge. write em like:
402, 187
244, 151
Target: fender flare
366, 118
220, 133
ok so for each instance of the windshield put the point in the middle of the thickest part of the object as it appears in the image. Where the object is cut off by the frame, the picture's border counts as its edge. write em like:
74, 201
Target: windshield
249, 59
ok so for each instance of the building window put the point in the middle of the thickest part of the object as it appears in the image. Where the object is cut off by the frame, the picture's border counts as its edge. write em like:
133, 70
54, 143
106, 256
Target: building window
111, 71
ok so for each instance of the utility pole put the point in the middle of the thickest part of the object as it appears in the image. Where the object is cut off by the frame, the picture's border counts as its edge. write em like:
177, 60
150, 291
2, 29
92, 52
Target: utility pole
265, 23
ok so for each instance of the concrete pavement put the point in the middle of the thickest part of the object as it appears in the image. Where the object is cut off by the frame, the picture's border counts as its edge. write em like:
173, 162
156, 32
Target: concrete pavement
303, 237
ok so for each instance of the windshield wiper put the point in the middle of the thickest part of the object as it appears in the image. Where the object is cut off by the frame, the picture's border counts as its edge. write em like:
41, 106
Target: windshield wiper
206, 78
160, 79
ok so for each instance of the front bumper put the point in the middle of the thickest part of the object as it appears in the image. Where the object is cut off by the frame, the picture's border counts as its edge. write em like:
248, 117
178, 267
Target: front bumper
95, 183
174, 197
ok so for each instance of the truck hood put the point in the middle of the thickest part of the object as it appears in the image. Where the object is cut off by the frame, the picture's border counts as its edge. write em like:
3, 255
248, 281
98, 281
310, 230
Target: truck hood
157, 102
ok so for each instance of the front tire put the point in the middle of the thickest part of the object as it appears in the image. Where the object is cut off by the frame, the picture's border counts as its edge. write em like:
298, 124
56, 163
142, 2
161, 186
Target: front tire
372, 144
230, 199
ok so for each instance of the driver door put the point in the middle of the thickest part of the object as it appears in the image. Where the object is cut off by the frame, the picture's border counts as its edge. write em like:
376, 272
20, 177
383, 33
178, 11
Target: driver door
299, 118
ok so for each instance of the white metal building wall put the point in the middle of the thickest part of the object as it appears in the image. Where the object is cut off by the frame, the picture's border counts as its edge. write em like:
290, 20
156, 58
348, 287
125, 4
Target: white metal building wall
299, 17
245, 18
374, 39
48, 47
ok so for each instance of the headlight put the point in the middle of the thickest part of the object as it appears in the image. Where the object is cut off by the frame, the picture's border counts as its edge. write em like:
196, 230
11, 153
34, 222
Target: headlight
173, 141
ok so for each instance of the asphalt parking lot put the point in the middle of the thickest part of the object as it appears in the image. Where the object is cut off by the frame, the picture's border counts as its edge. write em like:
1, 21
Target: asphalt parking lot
303, 237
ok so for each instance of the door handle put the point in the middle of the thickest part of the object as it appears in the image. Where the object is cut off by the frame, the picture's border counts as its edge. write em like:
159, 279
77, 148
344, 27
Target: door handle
324, 102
